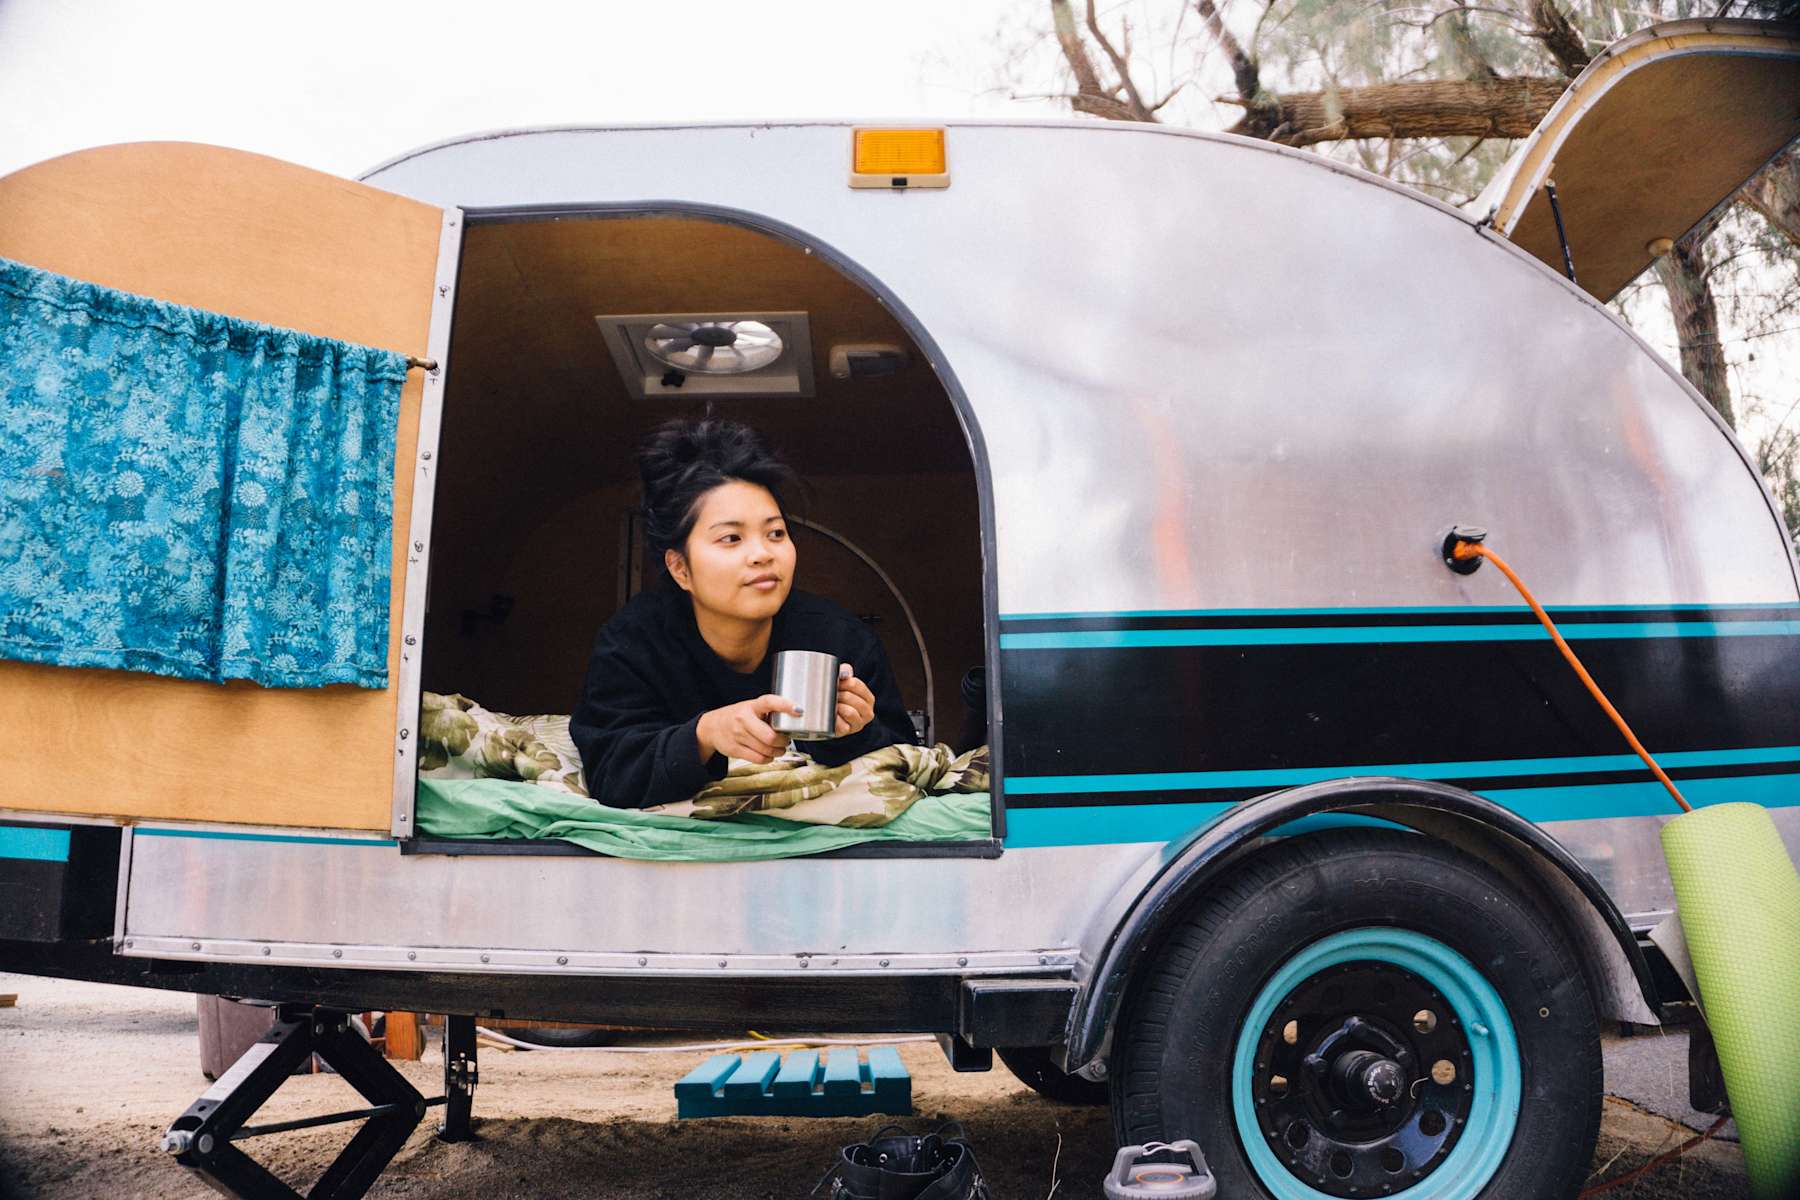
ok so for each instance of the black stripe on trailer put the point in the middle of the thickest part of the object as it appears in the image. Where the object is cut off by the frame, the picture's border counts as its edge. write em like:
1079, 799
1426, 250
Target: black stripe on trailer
70, 894
1119, 710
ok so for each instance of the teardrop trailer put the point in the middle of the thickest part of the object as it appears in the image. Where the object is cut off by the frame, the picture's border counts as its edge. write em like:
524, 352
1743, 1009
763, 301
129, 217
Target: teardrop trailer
1299, 844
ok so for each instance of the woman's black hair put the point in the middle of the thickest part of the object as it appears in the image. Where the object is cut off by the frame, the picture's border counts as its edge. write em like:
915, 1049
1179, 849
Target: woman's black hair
682, 460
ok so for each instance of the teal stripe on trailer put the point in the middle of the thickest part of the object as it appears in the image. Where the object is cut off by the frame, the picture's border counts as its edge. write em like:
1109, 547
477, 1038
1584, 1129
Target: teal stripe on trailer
1181, 781
1127, 639
213, 835
1113, 824
1448, 610
37, 845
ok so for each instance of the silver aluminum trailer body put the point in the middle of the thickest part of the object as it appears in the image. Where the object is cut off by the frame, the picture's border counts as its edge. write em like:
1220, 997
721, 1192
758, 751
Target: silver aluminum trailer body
1202, 375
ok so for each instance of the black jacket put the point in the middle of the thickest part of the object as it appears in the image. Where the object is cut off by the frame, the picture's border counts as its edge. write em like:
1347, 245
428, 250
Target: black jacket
651, 676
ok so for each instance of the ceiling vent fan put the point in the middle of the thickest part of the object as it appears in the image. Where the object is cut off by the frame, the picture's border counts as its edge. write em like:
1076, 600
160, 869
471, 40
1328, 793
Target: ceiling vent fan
711, 354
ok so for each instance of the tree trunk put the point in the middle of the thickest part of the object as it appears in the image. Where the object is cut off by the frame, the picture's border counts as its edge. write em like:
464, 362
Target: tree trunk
1682, 272
1509, 108
1775, 193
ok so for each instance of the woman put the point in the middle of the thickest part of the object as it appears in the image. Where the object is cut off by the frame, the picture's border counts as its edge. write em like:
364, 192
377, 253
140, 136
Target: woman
680, 678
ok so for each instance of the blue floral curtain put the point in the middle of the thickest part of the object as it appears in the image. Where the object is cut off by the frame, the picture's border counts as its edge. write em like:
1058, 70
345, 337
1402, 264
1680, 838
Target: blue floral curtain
189, 494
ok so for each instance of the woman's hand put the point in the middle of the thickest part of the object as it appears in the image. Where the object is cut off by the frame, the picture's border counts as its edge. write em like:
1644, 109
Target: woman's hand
855, 702
742, 730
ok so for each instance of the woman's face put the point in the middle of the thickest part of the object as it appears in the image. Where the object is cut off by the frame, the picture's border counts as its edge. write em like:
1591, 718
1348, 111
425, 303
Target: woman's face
739, 561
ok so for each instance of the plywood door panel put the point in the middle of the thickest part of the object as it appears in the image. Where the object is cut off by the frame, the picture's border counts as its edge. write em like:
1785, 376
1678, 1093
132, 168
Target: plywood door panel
257, 238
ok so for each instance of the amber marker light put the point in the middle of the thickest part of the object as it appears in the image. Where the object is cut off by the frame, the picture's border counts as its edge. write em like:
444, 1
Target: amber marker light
898, 159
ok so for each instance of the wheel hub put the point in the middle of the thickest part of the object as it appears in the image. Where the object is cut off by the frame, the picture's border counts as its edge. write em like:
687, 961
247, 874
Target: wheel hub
1363, 1079
1366, 1080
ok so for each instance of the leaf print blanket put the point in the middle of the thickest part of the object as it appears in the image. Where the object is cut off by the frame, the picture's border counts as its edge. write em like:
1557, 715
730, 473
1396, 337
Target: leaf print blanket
461, 740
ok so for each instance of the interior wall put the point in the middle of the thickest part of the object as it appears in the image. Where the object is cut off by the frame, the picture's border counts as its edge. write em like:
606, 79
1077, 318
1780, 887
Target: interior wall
536, 476
563, 582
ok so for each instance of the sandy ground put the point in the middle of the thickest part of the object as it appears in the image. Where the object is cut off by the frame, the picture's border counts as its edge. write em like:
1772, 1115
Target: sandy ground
90, 1076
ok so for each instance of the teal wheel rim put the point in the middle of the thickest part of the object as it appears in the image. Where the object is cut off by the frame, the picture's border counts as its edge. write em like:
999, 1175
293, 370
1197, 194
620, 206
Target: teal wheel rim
1496, 1080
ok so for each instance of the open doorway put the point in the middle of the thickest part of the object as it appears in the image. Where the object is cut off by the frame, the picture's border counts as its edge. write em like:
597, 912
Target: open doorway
552, 385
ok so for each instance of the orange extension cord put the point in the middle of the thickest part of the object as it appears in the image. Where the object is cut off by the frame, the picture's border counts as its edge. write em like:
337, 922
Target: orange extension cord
1468, 550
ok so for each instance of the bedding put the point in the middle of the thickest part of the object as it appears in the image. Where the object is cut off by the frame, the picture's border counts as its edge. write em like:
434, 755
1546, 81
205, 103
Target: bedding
459, 740
502, 809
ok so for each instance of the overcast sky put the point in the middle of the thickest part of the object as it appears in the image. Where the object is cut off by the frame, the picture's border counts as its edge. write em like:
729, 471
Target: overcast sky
342, 86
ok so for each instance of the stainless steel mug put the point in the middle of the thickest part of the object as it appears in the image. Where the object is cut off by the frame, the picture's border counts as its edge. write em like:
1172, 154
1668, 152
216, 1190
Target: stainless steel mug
810, 679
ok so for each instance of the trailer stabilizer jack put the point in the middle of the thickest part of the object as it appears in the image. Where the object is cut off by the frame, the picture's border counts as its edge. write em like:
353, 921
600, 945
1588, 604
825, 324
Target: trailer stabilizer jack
201, 1139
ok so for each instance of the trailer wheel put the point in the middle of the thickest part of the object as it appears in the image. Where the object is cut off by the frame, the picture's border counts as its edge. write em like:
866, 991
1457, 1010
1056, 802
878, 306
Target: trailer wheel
1032, 1066
1366, 1013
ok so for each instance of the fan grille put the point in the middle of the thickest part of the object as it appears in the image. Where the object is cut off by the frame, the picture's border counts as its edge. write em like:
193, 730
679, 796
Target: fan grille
713, 347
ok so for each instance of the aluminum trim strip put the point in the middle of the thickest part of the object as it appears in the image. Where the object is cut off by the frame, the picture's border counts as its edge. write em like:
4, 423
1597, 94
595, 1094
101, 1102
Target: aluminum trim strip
418, 558
239, 835
124, 892
40, 817
550, 962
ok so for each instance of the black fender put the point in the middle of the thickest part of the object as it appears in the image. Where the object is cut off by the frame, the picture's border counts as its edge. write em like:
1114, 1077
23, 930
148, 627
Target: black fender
1617, 971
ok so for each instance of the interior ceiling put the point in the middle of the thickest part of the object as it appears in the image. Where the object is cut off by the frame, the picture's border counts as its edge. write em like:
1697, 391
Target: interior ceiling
535, 402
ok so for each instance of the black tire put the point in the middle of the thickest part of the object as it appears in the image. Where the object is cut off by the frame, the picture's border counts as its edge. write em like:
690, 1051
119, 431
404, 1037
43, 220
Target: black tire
1034, 1069
561, 1038
1172, 1065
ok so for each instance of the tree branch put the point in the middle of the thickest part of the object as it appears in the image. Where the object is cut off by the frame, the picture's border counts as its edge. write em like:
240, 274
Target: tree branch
1090, 96
1243, 67
1262, 114
1455, 11
1509, 108
1552, 27
1121, 65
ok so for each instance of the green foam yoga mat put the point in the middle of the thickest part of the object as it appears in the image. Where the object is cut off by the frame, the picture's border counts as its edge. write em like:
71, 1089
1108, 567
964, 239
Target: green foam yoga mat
1739, 899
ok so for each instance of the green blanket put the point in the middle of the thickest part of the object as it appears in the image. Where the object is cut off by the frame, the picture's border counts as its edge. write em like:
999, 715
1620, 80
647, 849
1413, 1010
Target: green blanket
501, 808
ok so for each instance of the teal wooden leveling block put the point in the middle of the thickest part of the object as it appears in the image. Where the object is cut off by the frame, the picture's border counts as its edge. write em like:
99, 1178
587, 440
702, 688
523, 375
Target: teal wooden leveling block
766, 1085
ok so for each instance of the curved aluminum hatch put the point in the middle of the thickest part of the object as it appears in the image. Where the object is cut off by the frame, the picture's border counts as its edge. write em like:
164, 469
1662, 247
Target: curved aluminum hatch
1657, 131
